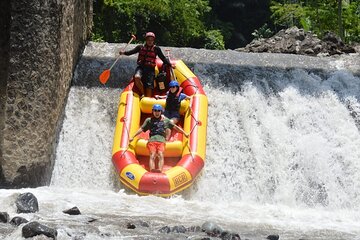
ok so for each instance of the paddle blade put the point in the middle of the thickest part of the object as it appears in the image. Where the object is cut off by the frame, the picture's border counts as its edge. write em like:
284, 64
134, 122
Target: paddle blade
104, 76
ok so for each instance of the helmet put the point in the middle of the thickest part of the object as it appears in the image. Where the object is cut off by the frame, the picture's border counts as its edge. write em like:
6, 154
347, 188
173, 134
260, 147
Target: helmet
150, 34
173, 83
157, 107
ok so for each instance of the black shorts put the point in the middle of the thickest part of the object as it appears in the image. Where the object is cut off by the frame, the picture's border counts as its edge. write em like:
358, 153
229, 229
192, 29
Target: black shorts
172, 114
147, 75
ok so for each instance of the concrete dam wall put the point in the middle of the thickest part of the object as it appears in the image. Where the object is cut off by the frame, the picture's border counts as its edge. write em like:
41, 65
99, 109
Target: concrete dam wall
40, 44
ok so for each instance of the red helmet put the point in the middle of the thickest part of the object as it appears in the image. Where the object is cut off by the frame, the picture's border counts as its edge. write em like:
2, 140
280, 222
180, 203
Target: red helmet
150, 34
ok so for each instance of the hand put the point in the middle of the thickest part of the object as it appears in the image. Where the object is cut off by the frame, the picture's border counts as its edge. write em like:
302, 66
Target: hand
156, 97
130, 140
121, 52
186, 135
173, 66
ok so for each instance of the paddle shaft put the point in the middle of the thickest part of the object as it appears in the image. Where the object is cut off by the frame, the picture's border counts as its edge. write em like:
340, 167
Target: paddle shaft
132, 38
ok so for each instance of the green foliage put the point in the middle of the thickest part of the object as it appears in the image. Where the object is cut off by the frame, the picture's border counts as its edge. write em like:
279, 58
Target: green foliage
287, 14
214, 40
175, 23
263, 32
319, 16
351, 16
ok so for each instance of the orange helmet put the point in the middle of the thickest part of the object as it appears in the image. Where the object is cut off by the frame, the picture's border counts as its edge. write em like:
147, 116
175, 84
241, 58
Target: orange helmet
150, 34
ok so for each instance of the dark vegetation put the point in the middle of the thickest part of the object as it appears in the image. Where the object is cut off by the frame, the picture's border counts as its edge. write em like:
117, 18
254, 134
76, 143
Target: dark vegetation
220, 24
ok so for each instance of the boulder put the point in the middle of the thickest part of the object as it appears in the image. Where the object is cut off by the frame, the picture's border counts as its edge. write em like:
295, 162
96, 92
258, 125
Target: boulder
27, 203
72, 211
4, 217
33, 229
17, 221
297, 41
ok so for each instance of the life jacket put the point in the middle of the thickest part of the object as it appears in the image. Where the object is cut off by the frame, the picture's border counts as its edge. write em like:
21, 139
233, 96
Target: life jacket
157, 126
147, 56
161, 79
172, 101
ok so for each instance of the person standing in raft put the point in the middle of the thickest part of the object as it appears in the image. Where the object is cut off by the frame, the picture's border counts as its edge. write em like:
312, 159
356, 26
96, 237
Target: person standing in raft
145, 70
173, 102
157, 124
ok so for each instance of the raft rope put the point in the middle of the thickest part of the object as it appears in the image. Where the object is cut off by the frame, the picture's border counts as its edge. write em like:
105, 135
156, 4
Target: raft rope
174, 75
196, 124
128, 133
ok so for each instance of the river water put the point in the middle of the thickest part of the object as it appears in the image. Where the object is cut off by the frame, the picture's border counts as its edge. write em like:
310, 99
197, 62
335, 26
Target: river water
283, 158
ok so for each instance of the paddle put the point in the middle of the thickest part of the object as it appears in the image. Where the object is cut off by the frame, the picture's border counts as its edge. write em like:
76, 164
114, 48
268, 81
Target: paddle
171, 69
104, 76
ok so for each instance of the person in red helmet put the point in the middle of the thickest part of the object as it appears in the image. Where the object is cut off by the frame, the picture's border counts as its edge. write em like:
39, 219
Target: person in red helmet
145, 70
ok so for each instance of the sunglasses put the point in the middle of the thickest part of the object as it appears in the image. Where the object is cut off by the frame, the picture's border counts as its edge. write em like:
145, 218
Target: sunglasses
157, 110
173, 87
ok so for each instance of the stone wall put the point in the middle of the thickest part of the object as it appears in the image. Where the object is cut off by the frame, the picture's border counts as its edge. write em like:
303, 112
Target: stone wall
4, 63
46, 39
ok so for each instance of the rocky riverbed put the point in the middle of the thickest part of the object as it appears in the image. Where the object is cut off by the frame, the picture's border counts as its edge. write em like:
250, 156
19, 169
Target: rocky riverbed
298, 41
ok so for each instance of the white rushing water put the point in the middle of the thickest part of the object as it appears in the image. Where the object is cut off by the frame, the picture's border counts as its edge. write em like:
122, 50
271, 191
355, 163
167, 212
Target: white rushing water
280, 160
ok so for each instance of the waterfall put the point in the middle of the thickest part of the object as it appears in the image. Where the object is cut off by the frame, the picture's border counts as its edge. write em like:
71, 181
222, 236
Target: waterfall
286, 137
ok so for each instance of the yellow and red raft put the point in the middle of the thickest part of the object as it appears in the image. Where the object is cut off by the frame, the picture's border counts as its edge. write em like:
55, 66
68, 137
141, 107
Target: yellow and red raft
183, 157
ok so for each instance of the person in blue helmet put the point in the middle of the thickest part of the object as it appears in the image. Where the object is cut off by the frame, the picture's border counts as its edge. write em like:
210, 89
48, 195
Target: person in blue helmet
157, 124
173, 101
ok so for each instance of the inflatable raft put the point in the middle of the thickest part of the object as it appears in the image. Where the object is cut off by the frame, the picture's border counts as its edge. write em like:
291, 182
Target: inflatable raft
183, 157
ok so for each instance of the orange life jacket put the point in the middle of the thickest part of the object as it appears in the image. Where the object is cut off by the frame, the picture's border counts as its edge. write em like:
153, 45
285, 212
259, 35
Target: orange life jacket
147, 56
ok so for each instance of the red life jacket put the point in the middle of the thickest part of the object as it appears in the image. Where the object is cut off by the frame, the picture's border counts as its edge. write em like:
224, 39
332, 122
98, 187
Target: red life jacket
147, 56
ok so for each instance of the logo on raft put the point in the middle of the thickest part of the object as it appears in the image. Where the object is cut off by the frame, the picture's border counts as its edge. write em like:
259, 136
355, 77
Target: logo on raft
180, 179
130, 175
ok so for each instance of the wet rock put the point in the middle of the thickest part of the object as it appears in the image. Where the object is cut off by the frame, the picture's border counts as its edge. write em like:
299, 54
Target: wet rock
297, 41
17, 221
178, 229
142, 223
194, 229
4, 217
133, 225
72, 211
130, 226
211, 229
33, 229
229, 236
273, 237
79, 236
165, 229
27, 203
91, 220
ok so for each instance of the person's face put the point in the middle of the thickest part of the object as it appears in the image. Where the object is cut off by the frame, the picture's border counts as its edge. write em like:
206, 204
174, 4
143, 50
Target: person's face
173, 89
150, 41
157, 113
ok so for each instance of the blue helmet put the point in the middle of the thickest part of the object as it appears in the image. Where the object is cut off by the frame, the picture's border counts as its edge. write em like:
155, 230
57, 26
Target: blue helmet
157, 107
173, 83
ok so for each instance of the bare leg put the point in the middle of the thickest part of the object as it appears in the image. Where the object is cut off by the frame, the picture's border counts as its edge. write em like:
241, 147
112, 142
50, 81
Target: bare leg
152, 160
138, 83
167, 134
148, 92
161, 160
168, 130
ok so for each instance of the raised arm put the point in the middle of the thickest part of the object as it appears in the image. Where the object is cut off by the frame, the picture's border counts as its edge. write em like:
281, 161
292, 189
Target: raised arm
162, 56
131, 52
